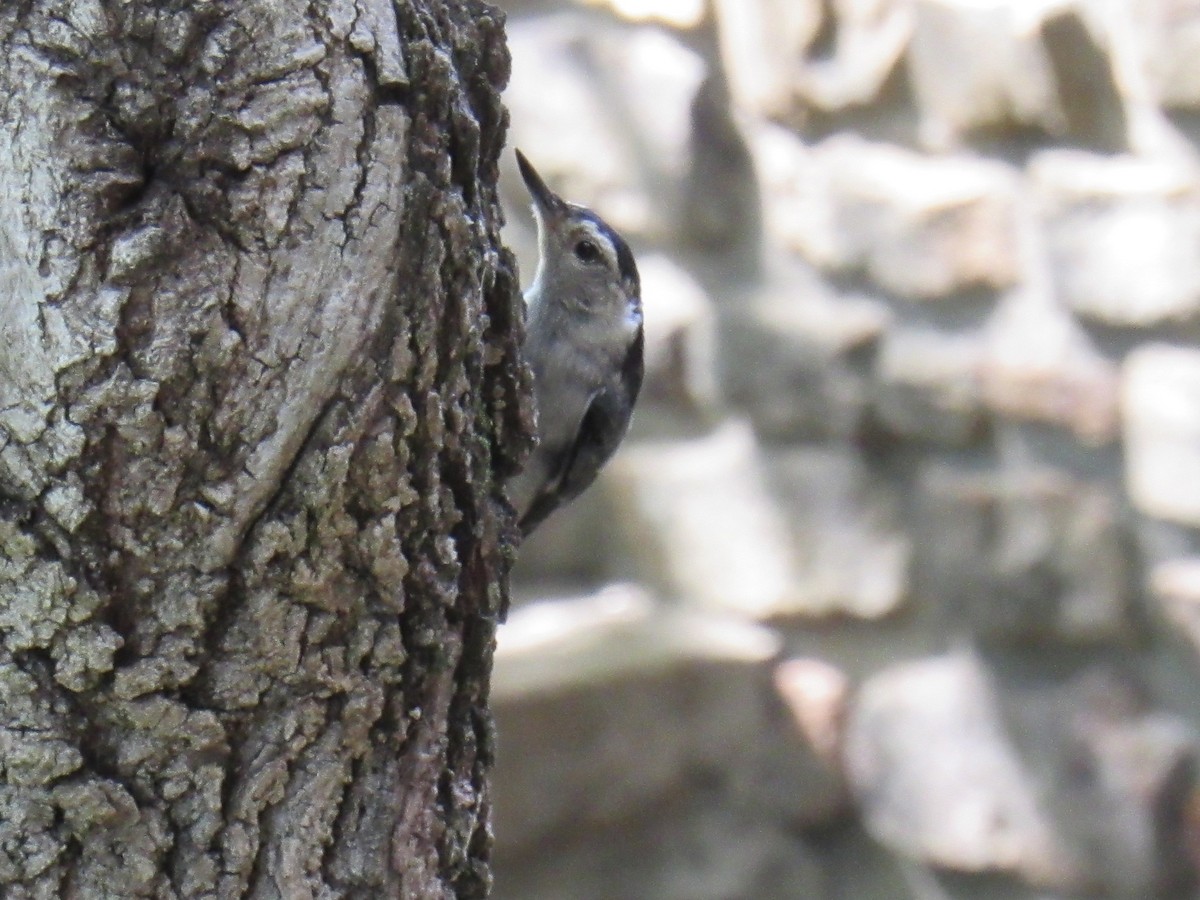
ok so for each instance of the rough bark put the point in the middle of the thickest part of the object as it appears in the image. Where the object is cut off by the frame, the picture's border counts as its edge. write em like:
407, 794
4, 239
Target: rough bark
258, 388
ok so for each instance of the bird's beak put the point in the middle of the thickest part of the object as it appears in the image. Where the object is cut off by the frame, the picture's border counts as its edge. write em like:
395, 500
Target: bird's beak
548, 203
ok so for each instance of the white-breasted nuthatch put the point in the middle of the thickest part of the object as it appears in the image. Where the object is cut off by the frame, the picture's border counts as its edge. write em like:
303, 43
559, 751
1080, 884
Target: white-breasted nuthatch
583, 341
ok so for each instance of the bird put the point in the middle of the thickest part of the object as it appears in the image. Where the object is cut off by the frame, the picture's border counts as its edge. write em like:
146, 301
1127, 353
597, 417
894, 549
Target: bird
584, 344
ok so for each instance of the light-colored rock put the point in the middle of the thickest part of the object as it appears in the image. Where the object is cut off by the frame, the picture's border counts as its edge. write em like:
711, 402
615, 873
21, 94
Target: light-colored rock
672, 13
1175, 584
1119, 777
1142, 816
761, 45
713, 523
907, 304
701, 524
1003, 71
1024, 555
868, 38
601, 705
684, 848
1080, 788
928, 386
851, 555
569, 643
1123, 236
793, 773
937, 779
578, 546
1039, 366
797, 211
681, 355
976, 65
797, 359
1170, 49
920, 227
817, 694
582, 113
607, 705
1160, 402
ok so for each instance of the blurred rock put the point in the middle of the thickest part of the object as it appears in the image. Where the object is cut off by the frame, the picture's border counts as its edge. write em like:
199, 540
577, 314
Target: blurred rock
1121, 780
1160, 400
851, 554
937, 779
760, 44
684, 848
1176, 586
549, 85
1039, 366
1172, 50
998, 68
795, 196
582, 113
603, 704
705, 523
801, 533
700, 523
928, 386
922, 228
817, 695
1123, 236
606, 706
1088, 95
682, 14
1024, 555
988, 330
721, 216
1082, 788
797, 360
577, 546
681, 364
854, 55
792, 773
980, 65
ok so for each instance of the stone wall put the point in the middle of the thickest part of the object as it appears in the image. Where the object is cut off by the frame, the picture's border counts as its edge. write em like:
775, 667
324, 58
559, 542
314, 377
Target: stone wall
895, 589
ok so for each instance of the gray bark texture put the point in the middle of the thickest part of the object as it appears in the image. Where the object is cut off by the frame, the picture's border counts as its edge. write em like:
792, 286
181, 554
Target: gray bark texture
259, 387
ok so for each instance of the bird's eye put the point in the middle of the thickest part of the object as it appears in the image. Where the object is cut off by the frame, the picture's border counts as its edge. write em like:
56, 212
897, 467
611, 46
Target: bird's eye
587, 252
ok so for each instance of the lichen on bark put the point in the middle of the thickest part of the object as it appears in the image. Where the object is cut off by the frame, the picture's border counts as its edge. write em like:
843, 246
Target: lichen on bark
259, 387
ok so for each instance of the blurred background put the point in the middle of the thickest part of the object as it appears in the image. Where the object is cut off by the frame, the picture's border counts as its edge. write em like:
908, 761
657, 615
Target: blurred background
894, 591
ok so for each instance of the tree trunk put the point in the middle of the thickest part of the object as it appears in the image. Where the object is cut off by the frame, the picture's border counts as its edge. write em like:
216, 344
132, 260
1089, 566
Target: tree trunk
258, 387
